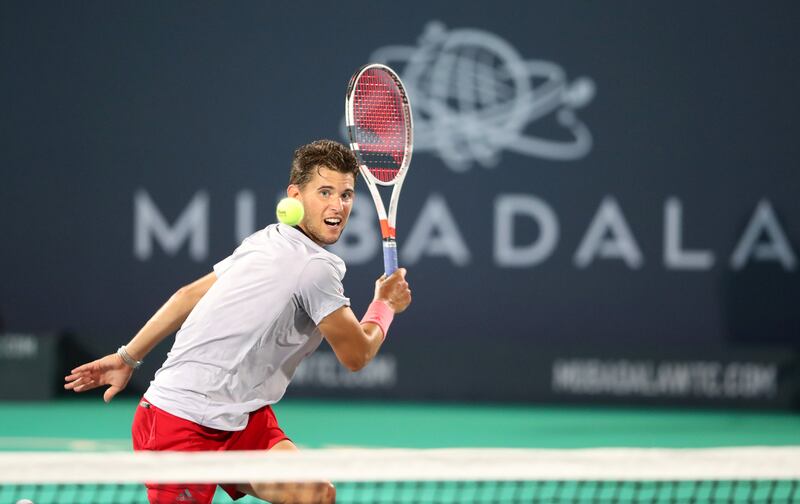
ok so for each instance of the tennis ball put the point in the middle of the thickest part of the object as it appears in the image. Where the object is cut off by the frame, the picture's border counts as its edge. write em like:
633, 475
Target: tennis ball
290, 211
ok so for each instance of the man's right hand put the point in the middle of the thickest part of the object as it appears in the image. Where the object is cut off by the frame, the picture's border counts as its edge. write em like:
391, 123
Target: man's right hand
394, 290
109, 370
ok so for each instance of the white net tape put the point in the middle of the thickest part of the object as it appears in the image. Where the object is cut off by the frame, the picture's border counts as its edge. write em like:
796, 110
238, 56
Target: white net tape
620, 464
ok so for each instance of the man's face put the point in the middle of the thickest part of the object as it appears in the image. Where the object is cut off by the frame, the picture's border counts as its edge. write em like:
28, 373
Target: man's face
327, 199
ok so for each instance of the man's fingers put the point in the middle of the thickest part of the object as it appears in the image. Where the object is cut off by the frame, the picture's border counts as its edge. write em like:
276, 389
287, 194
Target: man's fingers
397, 277
79, 388
92, 367
399, 272
401, 287
74, 376
79, 382
72, 382
110, 393
81, 369
77, 378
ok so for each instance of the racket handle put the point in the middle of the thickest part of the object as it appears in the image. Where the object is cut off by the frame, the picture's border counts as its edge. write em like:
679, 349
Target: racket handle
389, 256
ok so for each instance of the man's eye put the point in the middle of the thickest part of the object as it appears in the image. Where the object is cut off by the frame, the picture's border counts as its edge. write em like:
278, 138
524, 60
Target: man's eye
325, 193
347, 196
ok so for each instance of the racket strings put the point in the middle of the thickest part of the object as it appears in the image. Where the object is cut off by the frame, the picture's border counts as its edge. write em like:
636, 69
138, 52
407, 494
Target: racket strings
380, 124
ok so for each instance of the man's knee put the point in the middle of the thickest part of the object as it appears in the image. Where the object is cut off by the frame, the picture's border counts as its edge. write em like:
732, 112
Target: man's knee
296, 493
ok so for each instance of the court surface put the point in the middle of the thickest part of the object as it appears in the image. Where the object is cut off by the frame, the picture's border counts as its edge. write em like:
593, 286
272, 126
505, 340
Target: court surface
87, 424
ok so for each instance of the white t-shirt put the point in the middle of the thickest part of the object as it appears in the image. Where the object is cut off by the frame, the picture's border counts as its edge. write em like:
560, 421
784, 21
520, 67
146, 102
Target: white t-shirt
240, 346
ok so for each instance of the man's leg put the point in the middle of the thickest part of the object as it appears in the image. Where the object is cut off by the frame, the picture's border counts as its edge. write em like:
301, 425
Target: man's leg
292, 492
155, 430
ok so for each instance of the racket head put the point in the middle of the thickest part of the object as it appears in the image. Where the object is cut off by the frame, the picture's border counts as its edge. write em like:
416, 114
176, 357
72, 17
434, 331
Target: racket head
379, 123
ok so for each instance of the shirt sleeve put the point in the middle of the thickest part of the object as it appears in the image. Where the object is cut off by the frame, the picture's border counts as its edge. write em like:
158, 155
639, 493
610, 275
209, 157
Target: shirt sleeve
319, 290
223, 266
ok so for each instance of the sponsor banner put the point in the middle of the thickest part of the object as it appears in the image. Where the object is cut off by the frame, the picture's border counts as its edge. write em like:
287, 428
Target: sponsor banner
656, 378
754, 378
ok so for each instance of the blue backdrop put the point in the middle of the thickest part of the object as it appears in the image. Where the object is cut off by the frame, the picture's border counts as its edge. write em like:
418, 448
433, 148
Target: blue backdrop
602, 202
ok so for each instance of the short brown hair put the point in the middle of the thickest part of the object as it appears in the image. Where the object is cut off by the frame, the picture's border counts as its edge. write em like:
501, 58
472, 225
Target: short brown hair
327, 153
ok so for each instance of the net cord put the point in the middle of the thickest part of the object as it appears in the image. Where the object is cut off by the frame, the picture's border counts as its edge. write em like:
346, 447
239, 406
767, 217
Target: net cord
610, 464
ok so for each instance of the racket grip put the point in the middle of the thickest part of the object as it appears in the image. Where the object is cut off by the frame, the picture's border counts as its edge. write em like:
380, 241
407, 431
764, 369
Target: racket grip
389, 256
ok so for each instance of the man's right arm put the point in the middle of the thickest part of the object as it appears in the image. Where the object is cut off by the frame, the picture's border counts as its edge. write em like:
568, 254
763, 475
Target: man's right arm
112, 370
355, 342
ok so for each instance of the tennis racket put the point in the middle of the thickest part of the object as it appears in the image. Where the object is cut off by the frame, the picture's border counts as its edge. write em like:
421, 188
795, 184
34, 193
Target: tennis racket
378, 117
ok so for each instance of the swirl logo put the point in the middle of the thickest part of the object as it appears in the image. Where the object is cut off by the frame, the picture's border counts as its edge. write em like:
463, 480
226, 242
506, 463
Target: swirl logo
474, 96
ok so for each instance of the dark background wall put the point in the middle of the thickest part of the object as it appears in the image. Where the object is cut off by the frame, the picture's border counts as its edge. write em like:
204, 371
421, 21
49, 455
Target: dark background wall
602, 203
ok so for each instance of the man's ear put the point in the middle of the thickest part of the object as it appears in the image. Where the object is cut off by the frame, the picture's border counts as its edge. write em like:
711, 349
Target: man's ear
293, 191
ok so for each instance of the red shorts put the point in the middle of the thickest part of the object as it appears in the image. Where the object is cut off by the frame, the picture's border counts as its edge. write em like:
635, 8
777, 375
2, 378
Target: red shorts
155, 429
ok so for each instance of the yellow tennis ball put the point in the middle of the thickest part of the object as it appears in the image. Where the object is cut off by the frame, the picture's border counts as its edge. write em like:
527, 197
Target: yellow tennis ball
290, 211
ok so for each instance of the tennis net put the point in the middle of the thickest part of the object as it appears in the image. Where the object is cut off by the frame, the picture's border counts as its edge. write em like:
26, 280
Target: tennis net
605, 475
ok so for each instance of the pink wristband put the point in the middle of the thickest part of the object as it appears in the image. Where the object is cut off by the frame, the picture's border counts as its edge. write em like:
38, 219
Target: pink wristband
379, 314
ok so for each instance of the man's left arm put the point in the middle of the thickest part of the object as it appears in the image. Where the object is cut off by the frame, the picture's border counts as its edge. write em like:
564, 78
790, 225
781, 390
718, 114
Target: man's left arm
115, 369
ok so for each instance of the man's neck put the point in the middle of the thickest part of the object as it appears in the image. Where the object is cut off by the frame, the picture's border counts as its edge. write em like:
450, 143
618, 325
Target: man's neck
297, 227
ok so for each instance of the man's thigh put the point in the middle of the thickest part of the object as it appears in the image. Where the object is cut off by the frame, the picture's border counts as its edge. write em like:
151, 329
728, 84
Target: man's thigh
156, 430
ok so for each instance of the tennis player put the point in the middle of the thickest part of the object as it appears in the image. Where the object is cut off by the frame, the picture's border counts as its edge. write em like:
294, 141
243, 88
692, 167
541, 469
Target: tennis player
243, 330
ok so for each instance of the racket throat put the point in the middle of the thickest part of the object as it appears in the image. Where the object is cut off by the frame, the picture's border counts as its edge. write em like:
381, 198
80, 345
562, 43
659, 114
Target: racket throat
387, 231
